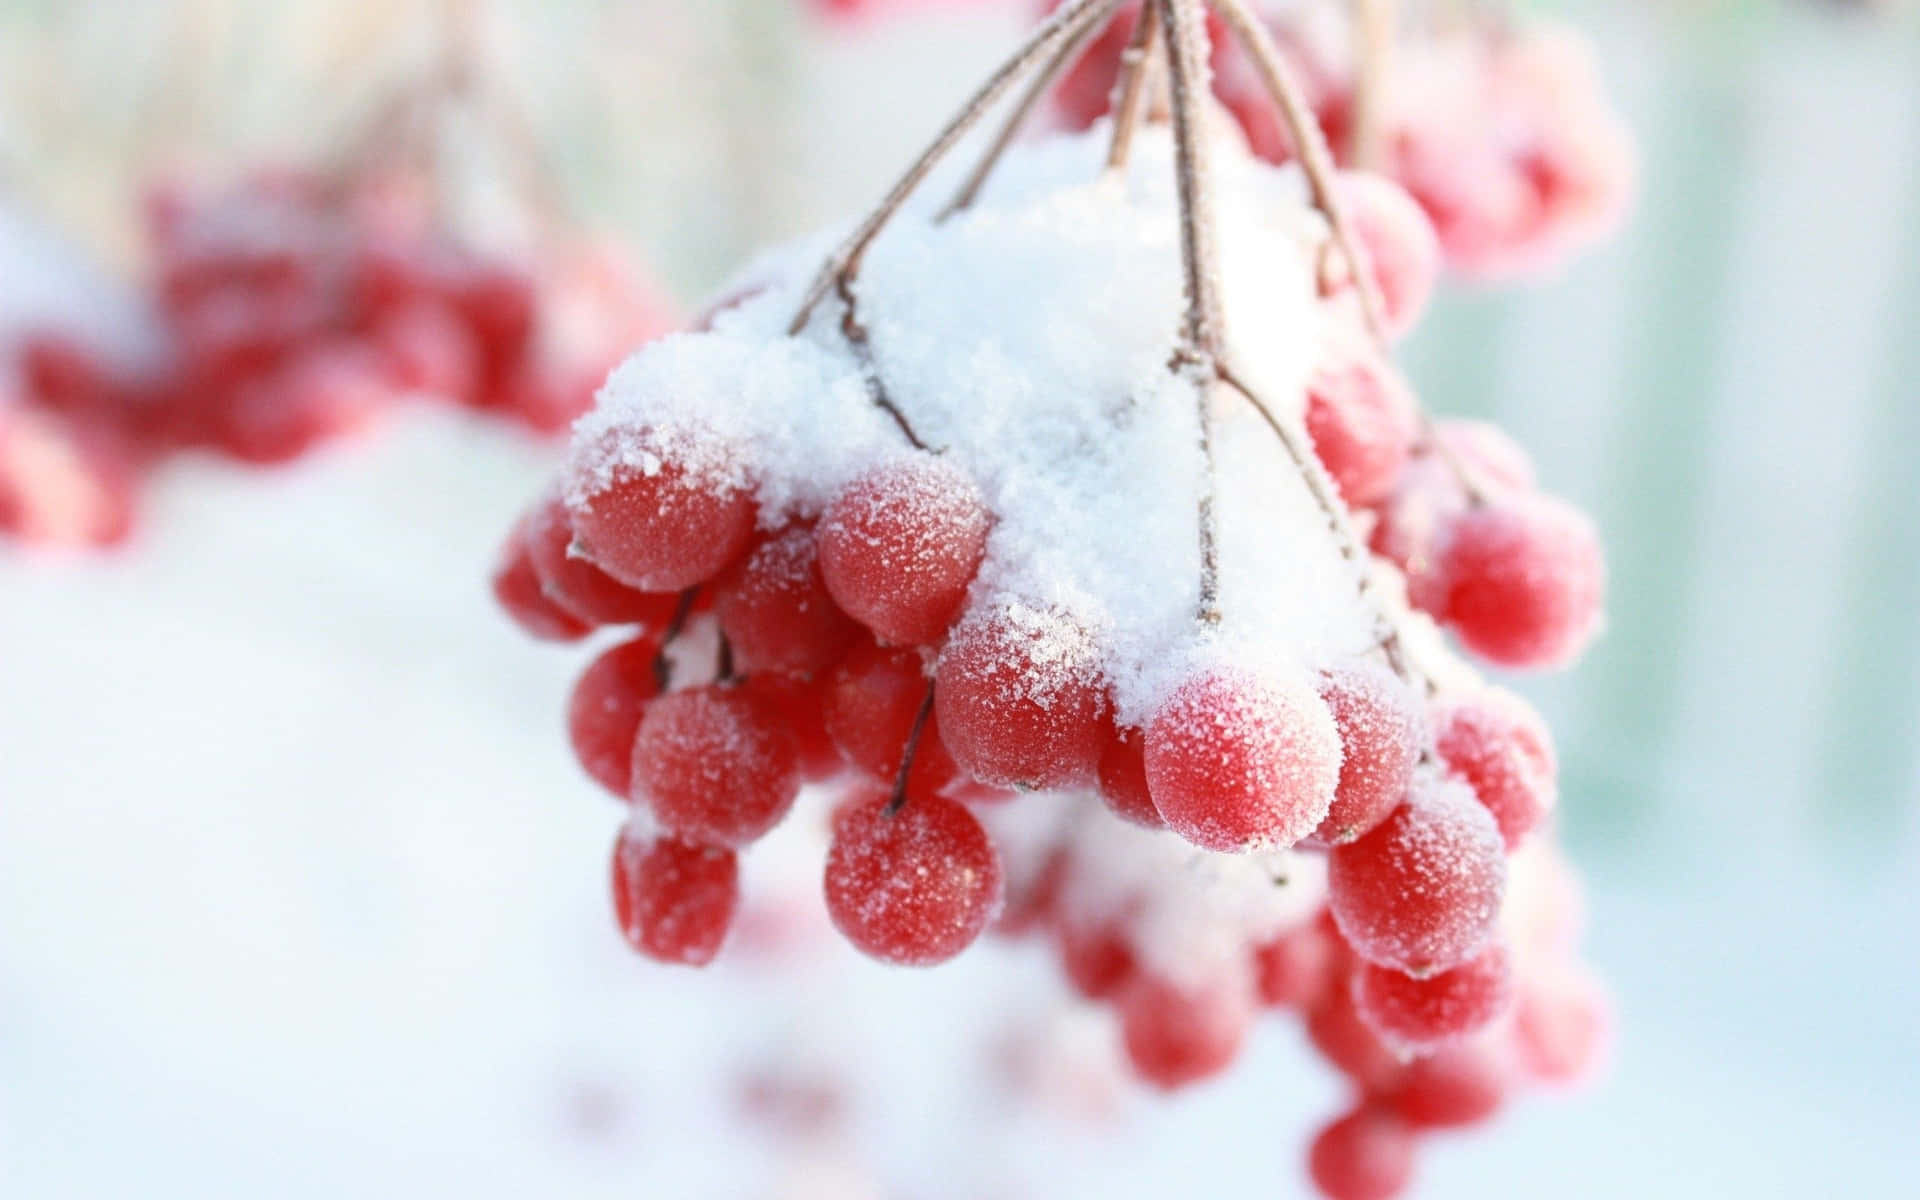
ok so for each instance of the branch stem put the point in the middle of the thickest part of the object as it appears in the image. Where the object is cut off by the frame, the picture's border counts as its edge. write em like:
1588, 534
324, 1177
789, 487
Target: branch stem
1135, 84
898, 799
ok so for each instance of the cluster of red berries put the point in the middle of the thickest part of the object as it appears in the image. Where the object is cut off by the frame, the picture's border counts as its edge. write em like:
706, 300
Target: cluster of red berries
1503, 134
293, 311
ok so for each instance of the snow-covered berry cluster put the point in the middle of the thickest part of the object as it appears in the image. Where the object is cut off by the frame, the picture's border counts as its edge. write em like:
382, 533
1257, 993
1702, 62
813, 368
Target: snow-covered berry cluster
1501, 130
1034, 534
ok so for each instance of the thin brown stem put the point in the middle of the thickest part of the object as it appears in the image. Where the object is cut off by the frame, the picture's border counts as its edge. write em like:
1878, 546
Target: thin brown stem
1136, 79
662, 664
855, 332
845, 262
1077, 41
1201, 337
898, 800
1311, 144
1326, 497
1373, 33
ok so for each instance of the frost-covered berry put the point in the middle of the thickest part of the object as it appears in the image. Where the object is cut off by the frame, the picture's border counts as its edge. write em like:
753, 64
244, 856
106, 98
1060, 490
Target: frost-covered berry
798, 705
579, 587
1421, 893
913, 887
1177, 1034
776, 611
674, 899
1020, 698
666, 516
1296, 968
900, 544
1237, 761
604, 712
1398, 242
1452, 1087
713, 766
1381, 735
1421, 1014
1367, 1154
1519, 579
1363, 420
1500, 747
1349, 1044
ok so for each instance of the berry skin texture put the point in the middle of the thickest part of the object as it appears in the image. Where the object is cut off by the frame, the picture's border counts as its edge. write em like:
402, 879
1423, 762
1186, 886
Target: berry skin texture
1363, 420
1500, 748
1381, 733
900, 544
914, 887
1020, 698
1421, 893
1423, 1014
516, 588
1123, 777
604, 712
1177, 1035
665, 526
1237, 762
1519, 580
776, 611
1453, 1087
1365, 1155
713, 766
870, 703
1349, 1044
577, 586
674, 900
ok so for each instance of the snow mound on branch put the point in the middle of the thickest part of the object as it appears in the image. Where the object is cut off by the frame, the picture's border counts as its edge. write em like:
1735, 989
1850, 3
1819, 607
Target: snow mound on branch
1028, 339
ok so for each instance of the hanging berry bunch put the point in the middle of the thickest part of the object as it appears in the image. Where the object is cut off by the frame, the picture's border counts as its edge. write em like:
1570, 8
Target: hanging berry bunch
1499, 128
1064, 489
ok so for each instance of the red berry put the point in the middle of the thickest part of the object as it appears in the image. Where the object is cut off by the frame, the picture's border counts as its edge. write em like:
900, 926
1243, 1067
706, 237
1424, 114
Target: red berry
871, 703
1236, 761
1487, 453
1363, 421
1296, 968
1421, 893
1123, 776
915, 887
1560, 1025
674, 899
1519, 579
1421, 1014
776, 611
1398, 242
579, 587
799, 706
1020, 697
603, 715
1500, 748
900, 544
1381, 735
517, 589
1098, 960
1346, 1042
427, 349
1177, 1034
714, 766
1453, 1087
1365, 1155
668, 514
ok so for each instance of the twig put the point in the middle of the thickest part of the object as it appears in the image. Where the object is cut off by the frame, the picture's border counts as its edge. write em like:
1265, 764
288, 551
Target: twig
845, 262
1082, 34
662, 665
898, 800
1136, 74
1373, 27
1201, 336
1311, 142
856, 334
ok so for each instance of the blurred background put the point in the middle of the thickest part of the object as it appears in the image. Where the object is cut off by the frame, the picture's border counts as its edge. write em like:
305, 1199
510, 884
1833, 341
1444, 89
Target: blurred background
301, 895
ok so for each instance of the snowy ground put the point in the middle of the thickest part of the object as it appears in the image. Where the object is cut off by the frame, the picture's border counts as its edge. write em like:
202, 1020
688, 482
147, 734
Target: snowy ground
300, 896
